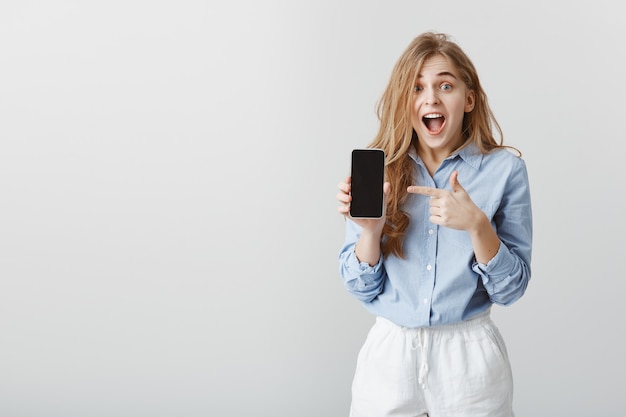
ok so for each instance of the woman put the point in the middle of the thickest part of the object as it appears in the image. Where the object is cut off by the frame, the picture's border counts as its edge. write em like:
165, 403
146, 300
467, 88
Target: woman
456, 238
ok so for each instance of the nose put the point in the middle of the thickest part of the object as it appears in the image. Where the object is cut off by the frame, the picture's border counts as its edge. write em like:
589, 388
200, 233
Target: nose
431, 96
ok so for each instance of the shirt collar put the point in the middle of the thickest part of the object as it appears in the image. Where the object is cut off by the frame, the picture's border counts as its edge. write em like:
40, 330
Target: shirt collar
470, 154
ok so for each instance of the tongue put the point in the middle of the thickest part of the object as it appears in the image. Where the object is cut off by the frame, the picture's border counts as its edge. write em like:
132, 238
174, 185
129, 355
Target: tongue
434, 124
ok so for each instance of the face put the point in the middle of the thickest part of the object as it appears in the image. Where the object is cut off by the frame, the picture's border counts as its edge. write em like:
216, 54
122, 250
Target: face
441, 99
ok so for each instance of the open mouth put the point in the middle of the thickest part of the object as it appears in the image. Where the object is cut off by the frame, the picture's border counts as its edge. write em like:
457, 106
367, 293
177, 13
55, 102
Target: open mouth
434, 122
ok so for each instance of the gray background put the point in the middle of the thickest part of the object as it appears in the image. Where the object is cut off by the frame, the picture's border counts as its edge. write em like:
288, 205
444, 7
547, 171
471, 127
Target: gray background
168, 225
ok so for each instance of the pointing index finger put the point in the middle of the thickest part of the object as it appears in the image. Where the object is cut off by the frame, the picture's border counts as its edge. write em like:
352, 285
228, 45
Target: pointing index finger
429, 191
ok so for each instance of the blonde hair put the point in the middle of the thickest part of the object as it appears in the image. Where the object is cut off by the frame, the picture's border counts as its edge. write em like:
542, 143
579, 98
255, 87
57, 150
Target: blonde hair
396, 135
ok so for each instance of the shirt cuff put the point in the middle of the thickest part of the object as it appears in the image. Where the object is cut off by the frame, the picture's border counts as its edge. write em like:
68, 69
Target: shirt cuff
502, 261
363, 269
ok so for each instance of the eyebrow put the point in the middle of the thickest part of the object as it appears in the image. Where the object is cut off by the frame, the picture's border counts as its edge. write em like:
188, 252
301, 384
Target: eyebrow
439, 74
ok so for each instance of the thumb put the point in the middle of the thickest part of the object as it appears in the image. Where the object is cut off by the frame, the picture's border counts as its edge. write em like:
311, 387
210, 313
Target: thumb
454, 182
387, 188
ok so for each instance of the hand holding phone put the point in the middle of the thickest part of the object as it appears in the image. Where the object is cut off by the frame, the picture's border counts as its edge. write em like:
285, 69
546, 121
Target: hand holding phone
368, 176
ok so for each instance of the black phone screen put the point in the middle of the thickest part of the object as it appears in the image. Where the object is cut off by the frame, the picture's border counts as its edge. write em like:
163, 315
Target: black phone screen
368, 175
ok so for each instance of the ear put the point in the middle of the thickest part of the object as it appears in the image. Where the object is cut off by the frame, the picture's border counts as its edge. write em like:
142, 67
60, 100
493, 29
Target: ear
469, 101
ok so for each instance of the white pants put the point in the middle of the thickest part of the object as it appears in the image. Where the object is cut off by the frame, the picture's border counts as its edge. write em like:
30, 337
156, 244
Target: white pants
459, 370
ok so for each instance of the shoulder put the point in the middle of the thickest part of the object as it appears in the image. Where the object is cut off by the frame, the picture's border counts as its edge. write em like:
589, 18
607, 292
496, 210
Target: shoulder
504, 166
504, 157
498, 162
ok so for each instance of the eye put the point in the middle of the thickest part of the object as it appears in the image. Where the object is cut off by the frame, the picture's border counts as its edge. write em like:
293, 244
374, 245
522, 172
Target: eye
446, 87
417, 88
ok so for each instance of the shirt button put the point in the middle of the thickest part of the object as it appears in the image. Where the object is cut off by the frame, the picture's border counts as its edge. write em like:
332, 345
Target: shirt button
431, 231
429, 267
425, 300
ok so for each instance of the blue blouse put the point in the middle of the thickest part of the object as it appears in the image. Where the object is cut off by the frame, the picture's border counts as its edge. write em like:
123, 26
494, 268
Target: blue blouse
439, 281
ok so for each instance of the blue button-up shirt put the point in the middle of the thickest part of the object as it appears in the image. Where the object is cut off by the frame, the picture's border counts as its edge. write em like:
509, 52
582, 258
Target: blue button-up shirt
439, 281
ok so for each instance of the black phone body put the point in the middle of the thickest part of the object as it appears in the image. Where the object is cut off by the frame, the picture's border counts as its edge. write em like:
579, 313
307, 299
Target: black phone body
368, 176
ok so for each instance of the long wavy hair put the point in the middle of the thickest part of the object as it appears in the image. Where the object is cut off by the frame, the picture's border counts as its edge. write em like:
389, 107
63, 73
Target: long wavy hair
396, 135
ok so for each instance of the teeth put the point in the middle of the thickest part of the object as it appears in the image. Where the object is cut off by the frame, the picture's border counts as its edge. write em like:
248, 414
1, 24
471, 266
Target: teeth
433, 115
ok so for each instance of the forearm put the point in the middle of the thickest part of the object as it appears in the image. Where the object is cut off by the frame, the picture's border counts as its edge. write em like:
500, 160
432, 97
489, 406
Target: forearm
485, 241
367, 248
364, 280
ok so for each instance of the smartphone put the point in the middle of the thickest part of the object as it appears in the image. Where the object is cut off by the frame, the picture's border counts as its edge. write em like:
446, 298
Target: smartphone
368, 176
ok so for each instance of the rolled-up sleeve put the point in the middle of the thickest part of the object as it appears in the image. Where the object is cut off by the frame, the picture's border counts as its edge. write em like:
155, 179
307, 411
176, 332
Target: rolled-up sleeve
506, 275
361, 280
